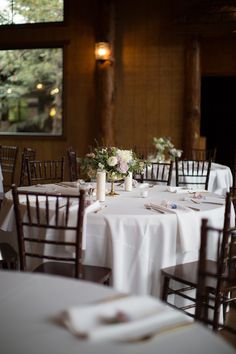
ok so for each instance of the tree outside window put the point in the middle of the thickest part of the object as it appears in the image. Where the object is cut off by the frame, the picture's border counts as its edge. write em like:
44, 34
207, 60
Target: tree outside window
31, 91
31, 11
31, 79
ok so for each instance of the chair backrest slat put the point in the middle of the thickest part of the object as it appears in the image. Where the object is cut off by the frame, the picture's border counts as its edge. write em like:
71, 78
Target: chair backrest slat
73, 164
156, 172
30, 154
192, 172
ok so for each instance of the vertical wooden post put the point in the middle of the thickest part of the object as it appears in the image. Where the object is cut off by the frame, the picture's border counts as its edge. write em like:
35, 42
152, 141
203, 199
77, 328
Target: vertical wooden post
105, 74
192, 96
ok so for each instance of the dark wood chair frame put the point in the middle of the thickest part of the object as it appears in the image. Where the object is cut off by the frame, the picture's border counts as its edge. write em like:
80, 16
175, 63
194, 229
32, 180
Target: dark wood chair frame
36, 215
30, 154
156, 172
74, 168
8, 159
215, 285
192, 172
45, 171
193, 275
8, 257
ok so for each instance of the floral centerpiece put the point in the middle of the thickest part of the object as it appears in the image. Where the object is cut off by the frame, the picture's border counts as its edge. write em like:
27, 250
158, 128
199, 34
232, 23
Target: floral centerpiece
117, 163
165, 149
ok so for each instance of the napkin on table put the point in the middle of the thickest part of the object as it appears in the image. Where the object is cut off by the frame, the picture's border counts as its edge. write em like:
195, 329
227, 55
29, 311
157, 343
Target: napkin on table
188, 235
122, 319
185, 190
168, 206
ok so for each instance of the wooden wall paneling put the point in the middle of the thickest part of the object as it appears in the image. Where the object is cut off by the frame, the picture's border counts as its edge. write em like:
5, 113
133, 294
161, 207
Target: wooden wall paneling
149, 68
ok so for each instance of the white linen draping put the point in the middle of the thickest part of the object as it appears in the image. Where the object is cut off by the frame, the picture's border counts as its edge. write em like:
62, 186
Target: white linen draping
221, 179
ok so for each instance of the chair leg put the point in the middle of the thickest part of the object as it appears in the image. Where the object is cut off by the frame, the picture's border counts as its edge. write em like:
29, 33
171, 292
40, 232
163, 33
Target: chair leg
107, 282
9, 259
165, 287
9, 265
216, 315
225, 304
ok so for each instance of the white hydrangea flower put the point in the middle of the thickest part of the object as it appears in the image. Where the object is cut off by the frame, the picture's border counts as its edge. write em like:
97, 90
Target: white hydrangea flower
125, 155
112, 161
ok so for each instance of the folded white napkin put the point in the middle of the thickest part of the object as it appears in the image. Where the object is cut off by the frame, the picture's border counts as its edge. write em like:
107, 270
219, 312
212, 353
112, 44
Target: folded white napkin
188, 235
185, 190
177, 189
122, 319
168, 206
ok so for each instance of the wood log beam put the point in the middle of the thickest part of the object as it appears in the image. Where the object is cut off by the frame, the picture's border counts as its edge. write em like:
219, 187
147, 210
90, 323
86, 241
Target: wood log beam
192, 97
105, 32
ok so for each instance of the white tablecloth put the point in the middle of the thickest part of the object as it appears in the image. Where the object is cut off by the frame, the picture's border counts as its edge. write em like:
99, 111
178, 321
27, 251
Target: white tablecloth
30, 302
135, 242
221, 179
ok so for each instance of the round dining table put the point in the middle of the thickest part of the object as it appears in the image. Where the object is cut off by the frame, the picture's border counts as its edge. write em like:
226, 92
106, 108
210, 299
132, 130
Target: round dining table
132, 236
31, 303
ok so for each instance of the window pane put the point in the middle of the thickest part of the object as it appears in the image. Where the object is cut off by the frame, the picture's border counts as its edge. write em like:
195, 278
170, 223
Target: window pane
31, 11
31, 91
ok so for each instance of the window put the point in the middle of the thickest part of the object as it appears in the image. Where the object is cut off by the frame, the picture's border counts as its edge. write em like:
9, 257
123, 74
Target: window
31, 84
31, 11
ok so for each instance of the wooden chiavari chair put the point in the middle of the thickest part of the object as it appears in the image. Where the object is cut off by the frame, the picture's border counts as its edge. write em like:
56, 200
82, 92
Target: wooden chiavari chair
30, 154
45, 171
213, 280
60, 254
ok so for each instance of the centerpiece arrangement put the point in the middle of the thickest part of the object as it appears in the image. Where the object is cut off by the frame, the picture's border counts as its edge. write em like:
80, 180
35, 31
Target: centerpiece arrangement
165, 149
117, 164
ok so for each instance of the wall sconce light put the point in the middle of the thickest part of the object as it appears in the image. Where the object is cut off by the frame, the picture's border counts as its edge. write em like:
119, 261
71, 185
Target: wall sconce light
103, 51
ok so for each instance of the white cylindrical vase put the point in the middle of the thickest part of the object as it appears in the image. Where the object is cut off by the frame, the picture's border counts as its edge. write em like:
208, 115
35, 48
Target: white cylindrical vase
129, 182
101, 186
